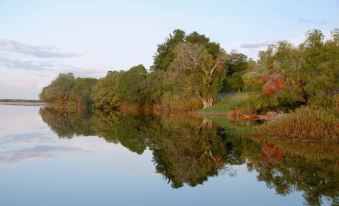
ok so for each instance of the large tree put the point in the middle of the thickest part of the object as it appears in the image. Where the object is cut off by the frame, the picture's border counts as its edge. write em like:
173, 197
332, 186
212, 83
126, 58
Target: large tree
165, 52
199, 72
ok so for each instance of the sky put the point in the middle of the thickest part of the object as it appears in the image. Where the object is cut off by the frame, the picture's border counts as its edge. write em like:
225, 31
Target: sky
40, 39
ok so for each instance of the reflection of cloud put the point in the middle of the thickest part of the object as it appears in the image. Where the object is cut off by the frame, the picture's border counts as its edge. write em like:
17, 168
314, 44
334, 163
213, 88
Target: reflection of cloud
254, 45
37, 152
22, 138
42, 145
37, 51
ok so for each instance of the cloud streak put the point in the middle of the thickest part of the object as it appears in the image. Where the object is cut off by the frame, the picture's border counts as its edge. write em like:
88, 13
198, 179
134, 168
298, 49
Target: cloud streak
36, 51
254, 45
25, 64
305, 21
312, 22
53, 66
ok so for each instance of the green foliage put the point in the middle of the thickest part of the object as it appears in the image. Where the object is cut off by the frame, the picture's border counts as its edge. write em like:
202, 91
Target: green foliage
198, 72
59, 89
66, 91
104, 93
252, 81
132, 85
191, 67
82, 90
129, 86
165, 52
236, 66
310, 72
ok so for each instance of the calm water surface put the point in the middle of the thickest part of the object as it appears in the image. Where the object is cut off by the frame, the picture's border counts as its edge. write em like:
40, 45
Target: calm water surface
52, 158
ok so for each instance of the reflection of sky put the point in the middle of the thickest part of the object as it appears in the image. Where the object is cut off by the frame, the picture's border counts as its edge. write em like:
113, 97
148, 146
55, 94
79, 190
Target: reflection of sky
38, 168
24, 136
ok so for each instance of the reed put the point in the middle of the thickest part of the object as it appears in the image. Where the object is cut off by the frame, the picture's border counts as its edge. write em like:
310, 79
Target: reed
304, 123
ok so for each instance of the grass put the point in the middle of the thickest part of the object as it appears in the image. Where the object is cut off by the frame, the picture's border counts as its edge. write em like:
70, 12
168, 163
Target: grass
228, 103
304, 124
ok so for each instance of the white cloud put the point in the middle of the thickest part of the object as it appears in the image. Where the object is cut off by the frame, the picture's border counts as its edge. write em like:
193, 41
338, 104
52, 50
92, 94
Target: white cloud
255, 45
36, 51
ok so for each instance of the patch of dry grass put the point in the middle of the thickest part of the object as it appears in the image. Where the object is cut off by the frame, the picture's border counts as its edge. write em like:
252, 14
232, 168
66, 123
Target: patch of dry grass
304, 123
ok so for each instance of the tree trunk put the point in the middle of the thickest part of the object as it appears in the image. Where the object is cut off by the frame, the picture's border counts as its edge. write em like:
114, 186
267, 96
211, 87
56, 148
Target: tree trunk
207, 102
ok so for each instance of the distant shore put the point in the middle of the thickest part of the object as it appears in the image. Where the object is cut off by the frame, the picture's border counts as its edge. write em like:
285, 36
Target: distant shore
21, 102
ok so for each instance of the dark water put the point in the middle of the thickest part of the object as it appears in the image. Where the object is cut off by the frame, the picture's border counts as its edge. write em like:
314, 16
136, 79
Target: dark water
56, 158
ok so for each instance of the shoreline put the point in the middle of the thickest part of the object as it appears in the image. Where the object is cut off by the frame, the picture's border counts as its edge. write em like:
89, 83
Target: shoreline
23, 103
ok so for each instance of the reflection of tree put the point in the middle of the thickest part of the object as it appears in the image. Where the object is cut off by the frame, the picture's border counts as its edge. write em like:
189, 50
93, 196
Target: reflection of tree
127, 130
287, 172
188, 150
67, 124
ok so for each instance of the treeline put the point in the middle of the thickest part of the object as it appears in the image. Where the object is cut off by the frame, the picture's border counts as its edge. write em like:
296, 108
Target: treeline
190, 71
287, 76
68, 91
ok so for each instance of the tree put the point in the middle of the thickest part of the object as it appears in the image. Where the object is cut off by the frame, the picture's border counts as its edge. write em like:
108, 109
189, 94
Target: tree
236, 66
320, 68
121, 87
199, 72
104, 93
68, 91
165, 52
132, 85
59, 90
81, 91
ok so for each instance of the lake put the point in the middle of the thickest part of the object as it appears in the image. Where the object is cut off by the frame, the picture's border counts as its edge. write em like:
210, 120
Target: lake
52, 158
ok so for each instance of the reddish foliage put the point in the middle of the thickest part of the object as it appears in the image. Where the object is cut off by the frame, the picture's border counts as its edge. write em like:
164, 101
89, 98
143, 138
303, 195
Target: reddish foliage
273, 83
271, 154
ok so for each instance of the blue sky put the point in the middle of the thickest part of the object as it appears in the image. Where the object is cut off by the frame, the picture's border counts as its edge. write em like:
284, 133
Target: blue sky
39, 39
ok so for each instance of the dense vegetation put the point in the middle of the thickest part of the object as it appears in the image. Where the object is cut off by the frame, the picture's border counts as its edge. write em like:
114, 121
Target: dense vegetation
190, 72
68, 91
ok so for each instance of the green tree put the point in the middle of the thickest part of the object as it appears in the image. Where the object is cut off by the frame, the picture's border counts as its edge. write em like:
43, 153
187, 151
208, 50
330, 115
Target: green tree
165, 52
81, 91
236, 66
320, 68
104, 93
132, 85
198, 72
59, 90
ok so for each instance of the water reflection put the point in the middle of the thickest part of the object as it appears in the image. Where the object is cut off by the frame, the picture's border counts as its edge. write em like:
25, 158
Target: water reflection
189, 150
